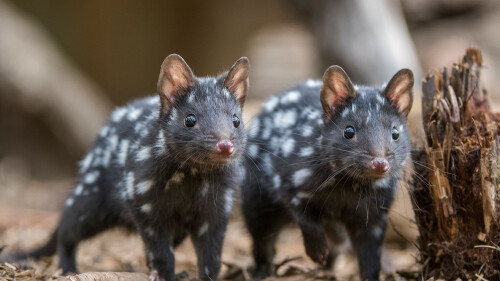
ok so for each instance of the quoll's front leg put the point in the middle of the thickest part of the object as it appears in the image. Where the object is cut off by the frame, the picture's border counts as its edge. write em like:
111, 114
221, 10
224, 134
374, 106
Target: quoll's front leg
207, 239
313, 235
208, 234
159, 253
367, 241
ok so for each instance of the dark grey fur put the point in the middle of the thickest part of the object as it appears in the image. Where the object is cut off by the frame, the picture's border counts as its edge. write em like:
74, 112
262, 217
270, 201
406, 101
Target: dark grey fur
147, 171
302, 169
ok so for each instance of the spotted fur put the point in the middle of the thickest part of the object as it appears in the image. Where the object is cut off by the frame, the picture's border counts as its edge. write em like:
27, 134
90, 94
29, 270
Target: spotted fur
148, 172
301, 168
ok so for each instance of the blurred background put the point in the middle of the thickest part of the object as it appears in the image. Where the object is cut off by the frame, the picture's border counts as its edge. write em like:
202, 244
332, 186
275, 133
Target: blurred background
65, 64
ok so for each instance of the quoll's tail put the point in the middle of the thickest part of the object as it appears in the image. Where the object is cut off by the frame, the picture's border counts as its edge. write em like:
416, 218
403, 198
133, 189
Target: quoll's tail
47, 250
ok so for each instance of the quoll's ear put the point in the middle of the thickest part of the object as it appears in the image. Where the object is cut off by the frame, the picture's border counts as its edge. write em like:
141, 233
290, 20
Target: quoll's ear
175, 78
399, 91
237, 81
337, 88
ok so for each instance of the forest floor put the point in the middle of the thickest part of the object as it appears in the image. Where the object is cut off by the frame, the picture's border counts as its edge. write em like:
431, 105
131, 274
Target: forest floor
29, 213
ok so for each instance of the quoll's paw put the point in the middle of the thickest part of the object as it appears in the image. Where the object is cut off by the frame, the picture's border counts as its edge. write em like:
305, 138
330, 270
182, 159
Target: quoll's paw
318, 251
154, 276
262, 271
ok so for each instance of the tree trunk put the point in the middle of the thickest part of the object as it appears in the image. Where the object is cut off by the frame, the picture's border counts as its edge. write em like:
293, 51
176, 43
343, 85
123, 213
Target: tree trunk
456, 194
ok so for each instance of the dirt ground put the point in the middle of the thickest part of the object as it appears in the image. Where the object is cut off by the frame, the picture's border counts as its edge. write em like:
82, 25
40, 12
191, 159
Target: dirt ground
30, 211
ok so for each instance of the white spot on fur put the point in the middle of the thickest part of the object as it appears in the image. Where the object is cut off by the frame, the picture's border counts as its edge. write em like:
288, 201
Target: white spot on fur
288, 147
290, 97
118, 114
253, 150
368, 117
306, 151
106, 158
377, 107
271, 103
253, 130
226, 93
146, 208
377, 231
177, 177
113, 142
382, 183
276, 181
91, 177
300, 176
285, 119
149, 231
160, 143
313, 83
129, 185
190, 98
144, 186
345, 112
203, 229
154, 100
315, 114
401, 129
143, 154
173, 114
85, 163
228, 199
295, 201
70, 202
97, 151
78, 189
138, 127
134, 113
303, 195
104, 131
171, 249
207, 272
307, 130
204, 189
380, 99
194, 171
268, 127
353, 108
122, 155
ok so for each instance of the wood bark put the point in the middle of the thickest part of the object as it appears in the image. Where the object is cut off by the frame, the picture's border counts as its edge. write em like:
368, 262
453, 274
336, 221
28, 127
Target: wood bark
457, 188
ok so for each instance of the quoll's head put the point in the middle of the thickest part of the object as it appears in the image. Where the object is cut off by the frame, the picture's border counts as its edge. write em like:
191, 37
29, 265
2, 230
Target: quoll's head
365, 131
201, 117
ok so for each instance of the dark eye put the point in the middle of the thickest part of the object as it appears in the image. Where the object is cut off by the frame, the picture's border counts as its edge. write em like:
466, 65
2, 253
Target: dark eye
236, 121
395, 134
190, 120
349, 132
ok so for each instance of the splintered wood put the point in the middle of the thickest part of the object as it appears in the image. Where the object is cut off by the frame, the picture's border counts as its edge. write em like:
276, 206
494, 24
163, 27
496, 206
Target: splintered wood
457, 191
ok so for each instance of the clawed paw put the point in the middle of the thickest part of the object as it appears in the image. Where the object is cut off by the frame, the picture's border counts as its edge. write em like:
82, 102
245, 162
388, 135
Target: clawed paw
318, 252
154, 276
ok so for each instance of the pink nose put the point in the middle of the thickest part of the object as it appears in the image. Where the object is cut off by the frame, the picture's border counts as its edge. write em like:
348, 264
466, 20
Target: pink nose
225, 147
379, 165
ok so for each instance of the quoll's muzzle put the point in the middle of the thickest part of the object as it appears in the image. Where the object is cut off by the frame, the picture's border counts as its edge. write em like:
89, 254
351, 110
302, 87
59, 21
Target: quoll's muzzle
379, 166
225, 148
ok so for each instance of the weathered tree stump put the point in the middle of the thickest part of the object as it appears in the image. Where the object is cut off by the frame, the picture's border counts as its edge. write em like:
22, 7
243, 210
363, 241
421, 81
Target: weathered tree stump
457, 184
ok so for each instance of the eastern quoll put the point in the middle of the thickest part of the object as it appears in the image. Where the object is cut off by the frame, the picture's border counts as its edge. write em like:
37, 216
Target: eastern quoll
167, 166
327, 155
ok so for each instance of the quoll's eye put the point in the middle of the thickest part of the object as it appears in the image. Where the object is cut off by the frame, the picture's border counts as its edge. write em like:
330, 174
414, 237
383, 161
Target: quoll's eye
395, 134
349, 132
236, 121
190, 120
